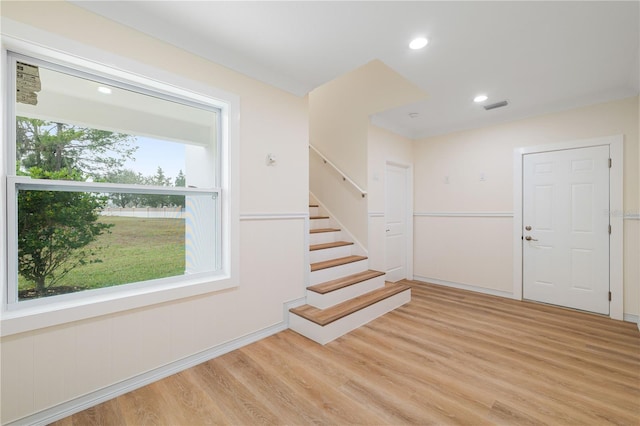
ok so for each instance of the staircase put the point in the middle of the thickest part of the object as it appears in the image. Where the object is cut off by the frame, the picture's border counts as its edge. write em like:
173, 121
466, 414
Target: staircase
344, 293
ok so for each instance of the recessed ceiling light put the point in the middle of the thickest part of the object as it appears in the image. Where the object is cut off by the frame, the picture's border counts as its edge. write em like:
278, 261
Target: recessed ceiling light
418, 43
104, 90
480, 98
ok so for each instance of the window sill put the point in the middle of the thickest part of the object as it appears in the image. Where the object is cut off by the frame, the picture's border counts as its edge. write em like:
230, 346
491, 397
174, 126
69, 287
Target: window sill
22, 320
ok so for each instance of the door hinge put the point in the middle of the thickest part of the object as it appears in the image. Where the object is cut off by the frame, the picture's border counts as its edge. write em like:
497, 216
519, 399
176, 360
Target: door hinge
609, 296
609, 229
610, 162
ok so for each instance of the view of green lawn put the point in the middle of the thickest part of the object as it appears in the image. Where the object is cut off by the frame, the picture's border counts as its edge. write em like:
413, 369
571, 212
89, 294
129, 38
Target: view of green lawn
136, 249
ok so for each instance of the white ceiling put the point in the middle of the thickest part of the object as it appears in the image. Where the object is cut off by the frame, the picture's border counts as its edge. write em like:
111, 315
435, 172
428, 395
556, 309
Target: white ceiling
540, 56
76, 100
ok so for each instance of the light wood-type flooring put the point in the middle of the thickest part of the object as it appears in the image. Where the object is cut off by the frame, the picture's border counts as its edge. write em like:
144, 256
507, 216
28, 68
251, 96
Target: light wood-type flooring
448, 357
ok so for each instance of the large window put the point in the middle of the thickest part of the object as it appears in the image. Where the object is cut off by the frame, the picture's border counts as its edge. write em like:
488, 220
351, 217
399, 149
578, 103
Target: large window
109, 184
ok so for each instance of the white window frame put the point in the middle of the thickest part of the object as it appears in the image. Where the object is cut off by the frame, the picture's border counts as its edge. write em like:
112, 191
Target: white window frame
21, 317
15, 183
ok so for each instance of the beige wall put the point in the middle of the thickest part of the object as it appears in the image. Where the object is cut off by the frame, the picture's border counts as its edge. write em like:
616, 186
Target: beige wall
478, 250
45, 367
344, 202
339, 113
338, 127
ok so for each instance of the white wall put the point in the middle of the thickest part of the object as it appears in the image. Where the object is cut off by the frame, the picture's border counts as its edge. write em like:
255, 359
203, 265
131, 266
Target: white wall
46, 367
463, 228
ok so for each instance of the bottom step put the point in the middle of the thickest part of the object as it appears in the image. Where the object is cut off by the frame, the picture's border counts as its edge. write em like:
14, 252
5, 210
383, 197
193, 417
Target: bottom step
325, 325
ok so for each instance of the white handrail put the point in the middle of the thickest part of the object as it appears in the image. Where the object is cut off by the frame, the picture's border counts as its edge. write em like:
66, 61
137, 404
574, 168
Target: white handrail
344, 176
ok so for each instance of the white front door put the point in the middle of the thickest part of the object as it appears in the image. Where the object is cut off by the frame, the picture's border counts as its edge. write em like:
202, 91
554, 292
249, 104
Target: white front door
396, 205
566, 228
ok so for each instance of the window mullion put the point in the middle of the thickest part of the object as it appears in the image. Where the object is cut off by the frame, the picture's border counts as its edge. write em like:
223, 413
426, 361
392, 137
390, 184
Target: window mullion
62, 185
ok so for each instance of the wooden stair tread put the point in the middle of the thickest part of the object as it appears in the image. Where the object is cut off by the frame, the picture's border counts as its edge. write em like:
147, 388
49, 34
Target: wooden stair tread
320, 230
318, 217
343, 282
323, 317
336, 262
329, 245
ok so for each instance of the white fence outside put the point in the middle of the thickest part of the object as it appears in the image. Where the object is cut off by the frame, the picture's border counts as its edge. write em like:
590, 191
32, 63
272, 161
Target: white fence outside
145, 212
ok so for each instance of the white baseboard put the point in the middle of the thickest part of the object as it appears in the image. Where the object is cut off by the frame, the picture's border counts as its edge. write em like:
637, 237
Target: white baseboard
477, 289
76, 405
632, 318
627, 317
290, 305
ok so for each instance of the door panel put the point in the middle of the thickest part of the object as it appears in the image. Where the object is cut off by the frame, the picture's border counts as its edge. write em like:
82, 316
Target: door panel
566, 249
395, 222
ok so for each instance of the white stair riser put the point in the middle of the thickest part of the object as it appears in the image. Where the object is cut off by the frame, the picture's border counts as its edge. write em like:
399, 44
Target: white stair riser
314, 211
325, 237
319, 223
328, 274
326, 334
323, 301
330, 253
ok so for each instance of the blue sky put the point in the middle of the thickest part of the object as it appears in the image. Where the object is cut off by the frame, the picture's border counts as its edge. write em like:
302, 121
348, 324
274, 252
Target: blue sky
152, 153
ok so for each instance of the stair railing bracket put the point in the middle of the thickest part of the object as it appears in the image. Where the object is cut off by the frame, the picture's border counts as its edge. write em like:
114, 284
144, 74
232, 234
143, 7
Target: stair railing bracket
345, 178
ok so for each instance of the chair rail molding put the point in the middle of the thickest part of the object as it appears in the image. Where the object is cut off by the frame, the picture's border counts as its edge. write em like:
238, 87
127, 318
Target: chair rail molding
463, 214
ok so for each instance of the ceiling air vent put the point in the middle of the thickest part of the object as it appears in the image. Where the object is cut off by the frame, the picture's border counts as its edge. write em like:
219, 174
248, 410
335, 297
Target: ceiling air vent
496, 105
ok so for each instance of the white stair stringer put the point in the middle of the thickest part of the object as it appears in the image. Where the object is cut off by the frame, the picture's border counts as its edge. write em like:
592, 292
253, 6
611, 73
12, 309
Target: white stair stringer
340, 327
358, 247
328, 274
343, 293
326, 300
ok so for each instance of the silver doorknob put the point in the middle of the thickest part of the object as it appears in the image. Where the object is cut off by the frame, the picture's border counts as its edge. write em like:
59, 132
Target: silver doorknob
528, 238
528, 228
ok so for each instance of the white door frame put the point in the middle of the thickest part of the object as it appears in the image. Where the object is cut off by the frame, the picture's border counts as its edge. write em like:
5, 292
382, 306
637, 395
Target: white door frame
408, 208
616, 306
